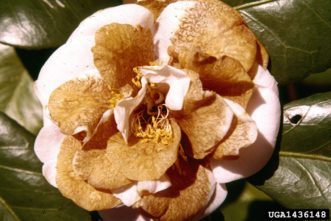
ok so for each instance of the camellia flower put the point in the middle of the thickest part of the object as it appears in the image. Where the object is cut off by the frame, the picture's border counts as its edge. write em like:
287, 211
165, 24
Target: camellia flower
150, 109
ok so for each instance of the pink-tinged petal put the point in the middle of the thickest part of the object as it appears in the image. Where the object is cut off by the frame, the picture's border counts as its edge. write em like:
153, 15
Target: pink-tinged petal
216, 200
131, 14
123, 213
168, 23
49, 172
48, 143
128, 195
264, 79
264, 108
177, 80
154, 186
71, 60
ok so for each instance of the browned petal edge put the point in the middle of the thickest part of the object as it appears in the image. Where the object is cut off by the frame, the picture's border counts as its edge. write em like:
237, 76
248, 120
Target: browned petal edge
95, 167
73, 186
207, 126
143, 160
118, 49
187, 197
79, 103
155, 6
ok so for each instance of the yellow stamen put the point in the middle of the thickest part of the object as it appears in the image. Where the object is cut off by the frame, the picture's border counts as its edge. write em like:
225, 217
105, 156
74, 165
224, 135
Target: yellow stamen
115, 97
137, 78
156, 128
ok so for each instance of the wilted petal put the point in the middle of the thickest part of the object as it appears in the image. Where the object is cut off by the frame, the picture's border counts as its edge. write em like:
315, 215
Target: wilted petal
189, 194
118, 49
177, 80
264, 109
74, 187
217, 199
95, 167
128, 195
143, 160
242, 134
124, 109
124, 14
79, 103
206, 126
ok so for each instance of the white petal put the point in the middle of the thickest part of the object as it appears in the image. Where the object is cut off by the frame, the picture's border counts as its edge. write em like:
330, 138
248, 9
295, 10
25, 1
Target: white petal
49, 172
70, 61
123, 213
124, 109
154, 186
264, 79
48, 143
128, 195
264, 108
217, 199
177, 80
168, 23
124, 14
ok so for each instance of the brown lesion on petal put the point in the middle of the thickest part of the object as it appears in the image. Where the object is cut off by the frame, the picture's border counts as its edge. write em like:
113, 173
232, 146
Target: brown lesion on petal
243, 132
73, 186
143, 160
155, 6
102, 133
95, 167
206, 126
118, 49
188, 195
79, 103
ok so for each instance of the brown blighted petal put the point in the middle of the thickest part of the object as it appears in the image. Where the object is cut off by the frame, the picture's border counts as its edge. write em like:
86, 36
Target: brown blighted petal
79, 104
73, 186
196, 95
212, 28
105, 129
118, 49
155, 6
206, 126
227, 77
143, 160
243, 132
189, 194
95, 167
263, 57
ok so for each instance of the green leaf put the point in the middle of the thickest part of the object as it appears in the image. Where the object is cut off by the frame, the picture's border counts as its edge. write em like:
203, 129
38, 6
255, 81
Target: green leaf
303, 179
17, 98
237, 2
296, 33
319, 79
26, 196
44, 23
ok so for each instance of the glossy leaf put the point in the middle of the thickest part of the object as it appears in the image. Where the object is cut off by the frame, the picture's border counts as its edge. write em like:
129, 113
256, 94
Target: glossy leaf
25, 193
237, 2
17, 98
44, 23
303, 179
296, 33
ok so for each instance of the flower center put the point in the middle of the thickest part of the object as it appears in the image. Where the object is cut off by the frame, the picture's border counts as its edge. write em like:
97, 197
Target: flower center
150, 122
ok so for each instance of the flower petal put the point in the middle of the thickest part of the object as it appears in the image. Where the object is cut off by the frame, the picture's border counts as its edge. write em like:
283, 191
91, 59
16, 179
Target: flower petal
48, 143
154, 186
216, 200
242, 134
177, 80
49, 172
74, 187
118, 49
143, 160
79, 103
132, 14
128, 194
264, 109
95, 167
70, 61
197, 126
188, 196
205, 27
